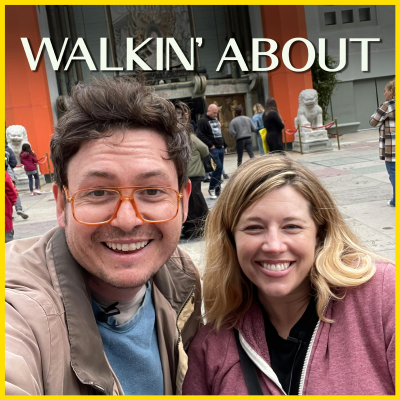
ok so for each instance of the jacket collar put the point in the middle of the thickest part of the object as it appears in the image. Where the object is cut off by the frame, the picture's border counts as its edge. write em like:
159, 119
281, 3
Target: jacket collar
251, 326
87, 355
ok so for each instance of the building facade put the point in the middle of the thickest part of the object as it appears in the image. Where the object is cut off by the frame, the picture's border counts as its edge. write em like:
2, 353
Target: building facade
34, 98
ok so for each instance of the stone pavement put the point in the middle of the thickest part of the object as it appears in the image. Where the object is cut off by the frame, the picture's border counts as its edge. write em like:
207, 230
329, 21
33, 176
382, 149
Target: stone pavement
355, 176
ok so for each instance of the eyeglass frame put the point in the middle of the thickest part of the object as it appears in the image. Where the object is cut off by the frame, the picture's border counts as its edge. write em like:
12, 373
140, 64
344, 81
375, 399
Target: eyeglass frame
121, 199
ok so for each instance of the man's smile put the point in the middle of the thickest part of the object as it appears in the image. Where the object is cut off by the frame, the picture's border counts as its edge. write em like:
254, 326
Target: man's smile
124, 247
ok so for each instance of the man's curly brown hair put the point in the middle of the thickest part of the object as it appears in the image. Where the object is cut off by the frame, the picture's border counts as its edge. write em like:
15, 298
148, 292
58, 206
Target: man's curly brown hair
108, 105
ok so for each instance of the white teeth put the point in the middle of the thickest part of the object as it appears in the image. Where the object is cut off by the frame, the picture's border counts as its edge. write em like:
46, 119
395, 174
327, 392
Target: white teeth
127, 246
276, 267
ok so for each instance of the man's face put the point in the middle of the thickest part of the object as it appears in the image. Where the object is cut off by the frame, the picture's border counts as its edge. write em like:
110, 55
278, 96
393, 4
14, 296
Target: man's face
212, 111
135, 158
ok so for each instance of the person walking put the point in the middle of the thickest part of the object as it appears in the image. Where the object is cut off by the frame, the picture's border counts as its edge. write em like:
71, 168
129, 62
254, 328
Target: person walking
209, 132
240, 129
384, 118
29, 161
11, 198
258, 111
273, 123
197, 211
11, 163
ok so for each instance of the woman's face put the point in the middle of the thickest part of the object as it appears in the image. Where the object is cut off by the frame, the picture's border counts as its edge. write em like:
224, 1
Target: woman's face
388, 94
275, 241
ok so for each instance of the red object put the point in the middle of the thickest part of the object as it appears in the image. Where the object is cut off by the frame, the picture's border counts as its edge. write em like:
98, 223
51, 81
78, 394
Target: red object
11, 198
29, 161
27, 97
281, 23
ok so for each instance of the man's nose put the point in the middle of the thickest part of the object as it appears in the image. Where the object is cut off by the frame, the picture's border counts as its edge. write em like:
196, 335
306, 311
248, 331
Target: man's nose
274, 242
126, 218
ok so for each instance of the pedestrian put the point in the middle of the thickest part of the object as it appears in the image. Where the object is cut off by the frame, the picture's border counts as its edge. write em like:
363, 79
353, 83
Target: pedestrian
11, 163
384, 117
273, 123
11, 198
240, 128
209, 132
294, 303
106, 303
258, 111
198, 209
29, 161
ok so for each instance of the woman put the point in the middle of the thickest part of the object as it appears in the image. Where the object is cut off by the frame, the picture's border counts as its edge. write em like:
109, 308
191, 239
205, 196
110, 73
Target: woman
258, 111
312, 310
273, 123
29, 161
384, 117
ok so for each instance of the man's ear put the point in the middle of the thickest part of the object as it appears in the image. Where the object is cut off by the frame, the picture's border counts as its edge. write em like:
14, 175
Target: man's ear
60, 205
185, 201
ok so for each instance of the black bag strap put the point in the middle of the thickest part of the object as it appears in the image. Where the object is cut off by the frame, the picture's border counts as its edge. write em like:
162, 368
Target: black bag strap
249, 369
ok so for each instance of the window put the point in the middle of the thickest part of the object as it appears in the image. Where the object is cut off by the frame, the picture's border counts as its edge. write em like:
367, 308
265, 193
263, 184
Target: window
364, 14
335, 18
330, 18
347, 16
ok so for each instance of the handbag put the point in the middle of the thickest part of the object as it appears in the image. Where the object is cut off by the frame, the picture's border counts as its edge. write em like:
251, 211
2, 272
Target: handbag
209, 163
263, 133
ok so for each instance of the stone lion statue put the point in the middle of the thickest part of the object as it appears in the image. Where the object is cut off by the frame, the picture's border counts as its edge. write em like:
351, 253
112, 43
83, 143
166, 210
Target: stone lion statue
16, 136
309, 112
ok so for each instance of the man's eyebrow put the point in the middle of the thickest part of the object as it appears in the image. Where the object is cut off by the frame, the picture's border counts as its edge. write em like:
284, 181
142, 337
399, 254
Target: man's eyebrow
153, 174
97, 174
111, 176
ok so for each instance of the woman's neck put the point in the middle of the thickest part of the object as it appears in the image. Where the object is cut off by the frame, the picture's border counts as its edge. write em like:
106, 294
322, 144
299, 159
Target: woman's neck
285, 312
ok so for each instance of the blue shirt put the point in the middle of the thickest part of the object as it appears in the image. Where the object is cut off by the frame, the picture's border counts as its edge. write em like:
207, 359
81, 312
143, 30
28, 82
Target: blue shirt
132, 349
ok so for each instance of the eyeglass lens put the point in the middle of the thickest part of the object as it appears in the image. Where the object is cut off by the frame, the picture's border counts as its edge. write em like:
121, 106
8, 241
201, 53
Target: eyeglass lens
99, 205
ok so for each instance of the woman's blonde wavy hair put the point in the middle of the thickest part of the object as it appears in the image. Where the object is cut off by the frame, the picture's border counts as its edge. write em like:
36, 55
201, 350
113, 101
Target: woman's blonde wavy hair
340, 260
258, 108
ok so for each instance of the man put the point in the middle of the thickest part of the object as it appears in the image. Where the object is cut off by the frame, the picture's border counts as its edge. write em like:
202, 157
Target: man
110, 276
11, 163
240, 129
209, 131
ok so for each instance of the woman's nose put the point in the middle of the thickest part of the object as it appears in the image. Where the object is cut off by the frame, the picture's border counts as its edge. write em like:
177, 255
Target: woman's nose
274, 242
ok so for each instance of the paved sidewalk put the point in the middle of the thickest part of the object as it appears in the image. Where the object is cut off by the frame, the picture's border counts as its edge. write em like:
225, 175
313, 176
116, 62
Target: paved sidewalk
354, 175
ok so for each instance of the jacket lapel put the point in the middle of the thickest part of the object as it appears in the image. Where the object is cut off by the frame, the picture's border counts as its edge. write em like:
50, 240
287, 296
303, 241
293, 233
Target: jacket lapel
87, 355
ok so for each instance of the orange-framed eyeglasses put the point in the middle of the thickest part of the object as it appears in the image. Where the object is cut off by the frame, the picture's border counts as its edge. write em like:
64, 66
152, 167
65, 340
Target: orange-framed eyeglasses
97, 206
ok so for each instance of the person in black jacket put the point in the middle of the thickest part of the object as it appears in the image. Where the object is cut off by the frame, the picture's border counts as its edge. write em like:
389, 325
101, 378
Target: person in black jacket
274, 125
209, 132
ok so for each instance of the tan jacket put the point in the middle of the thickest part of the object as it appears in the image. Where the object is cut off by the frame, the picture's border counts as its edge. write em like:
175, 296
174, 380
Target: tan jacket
53, 345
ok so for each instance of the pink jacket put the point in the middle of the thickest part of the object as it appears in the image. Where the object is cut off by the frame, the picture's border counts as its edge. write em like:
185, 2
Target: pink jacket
29, 161
11, 198
353, 356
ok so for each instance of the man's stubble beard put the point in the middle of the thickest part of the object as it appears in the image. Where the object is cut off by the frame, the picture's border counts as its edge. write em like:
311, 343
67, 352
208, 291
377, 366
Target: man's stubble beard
143, 271
100, 273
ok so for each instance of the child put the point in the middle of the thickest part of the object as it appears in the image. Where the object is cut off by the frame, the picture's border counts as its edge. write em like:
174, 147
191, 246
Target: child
29, 160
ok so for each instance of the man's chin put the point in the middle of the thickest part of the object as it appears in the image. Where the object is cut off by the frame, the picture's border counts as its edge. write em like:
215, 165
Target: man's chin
124, 280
